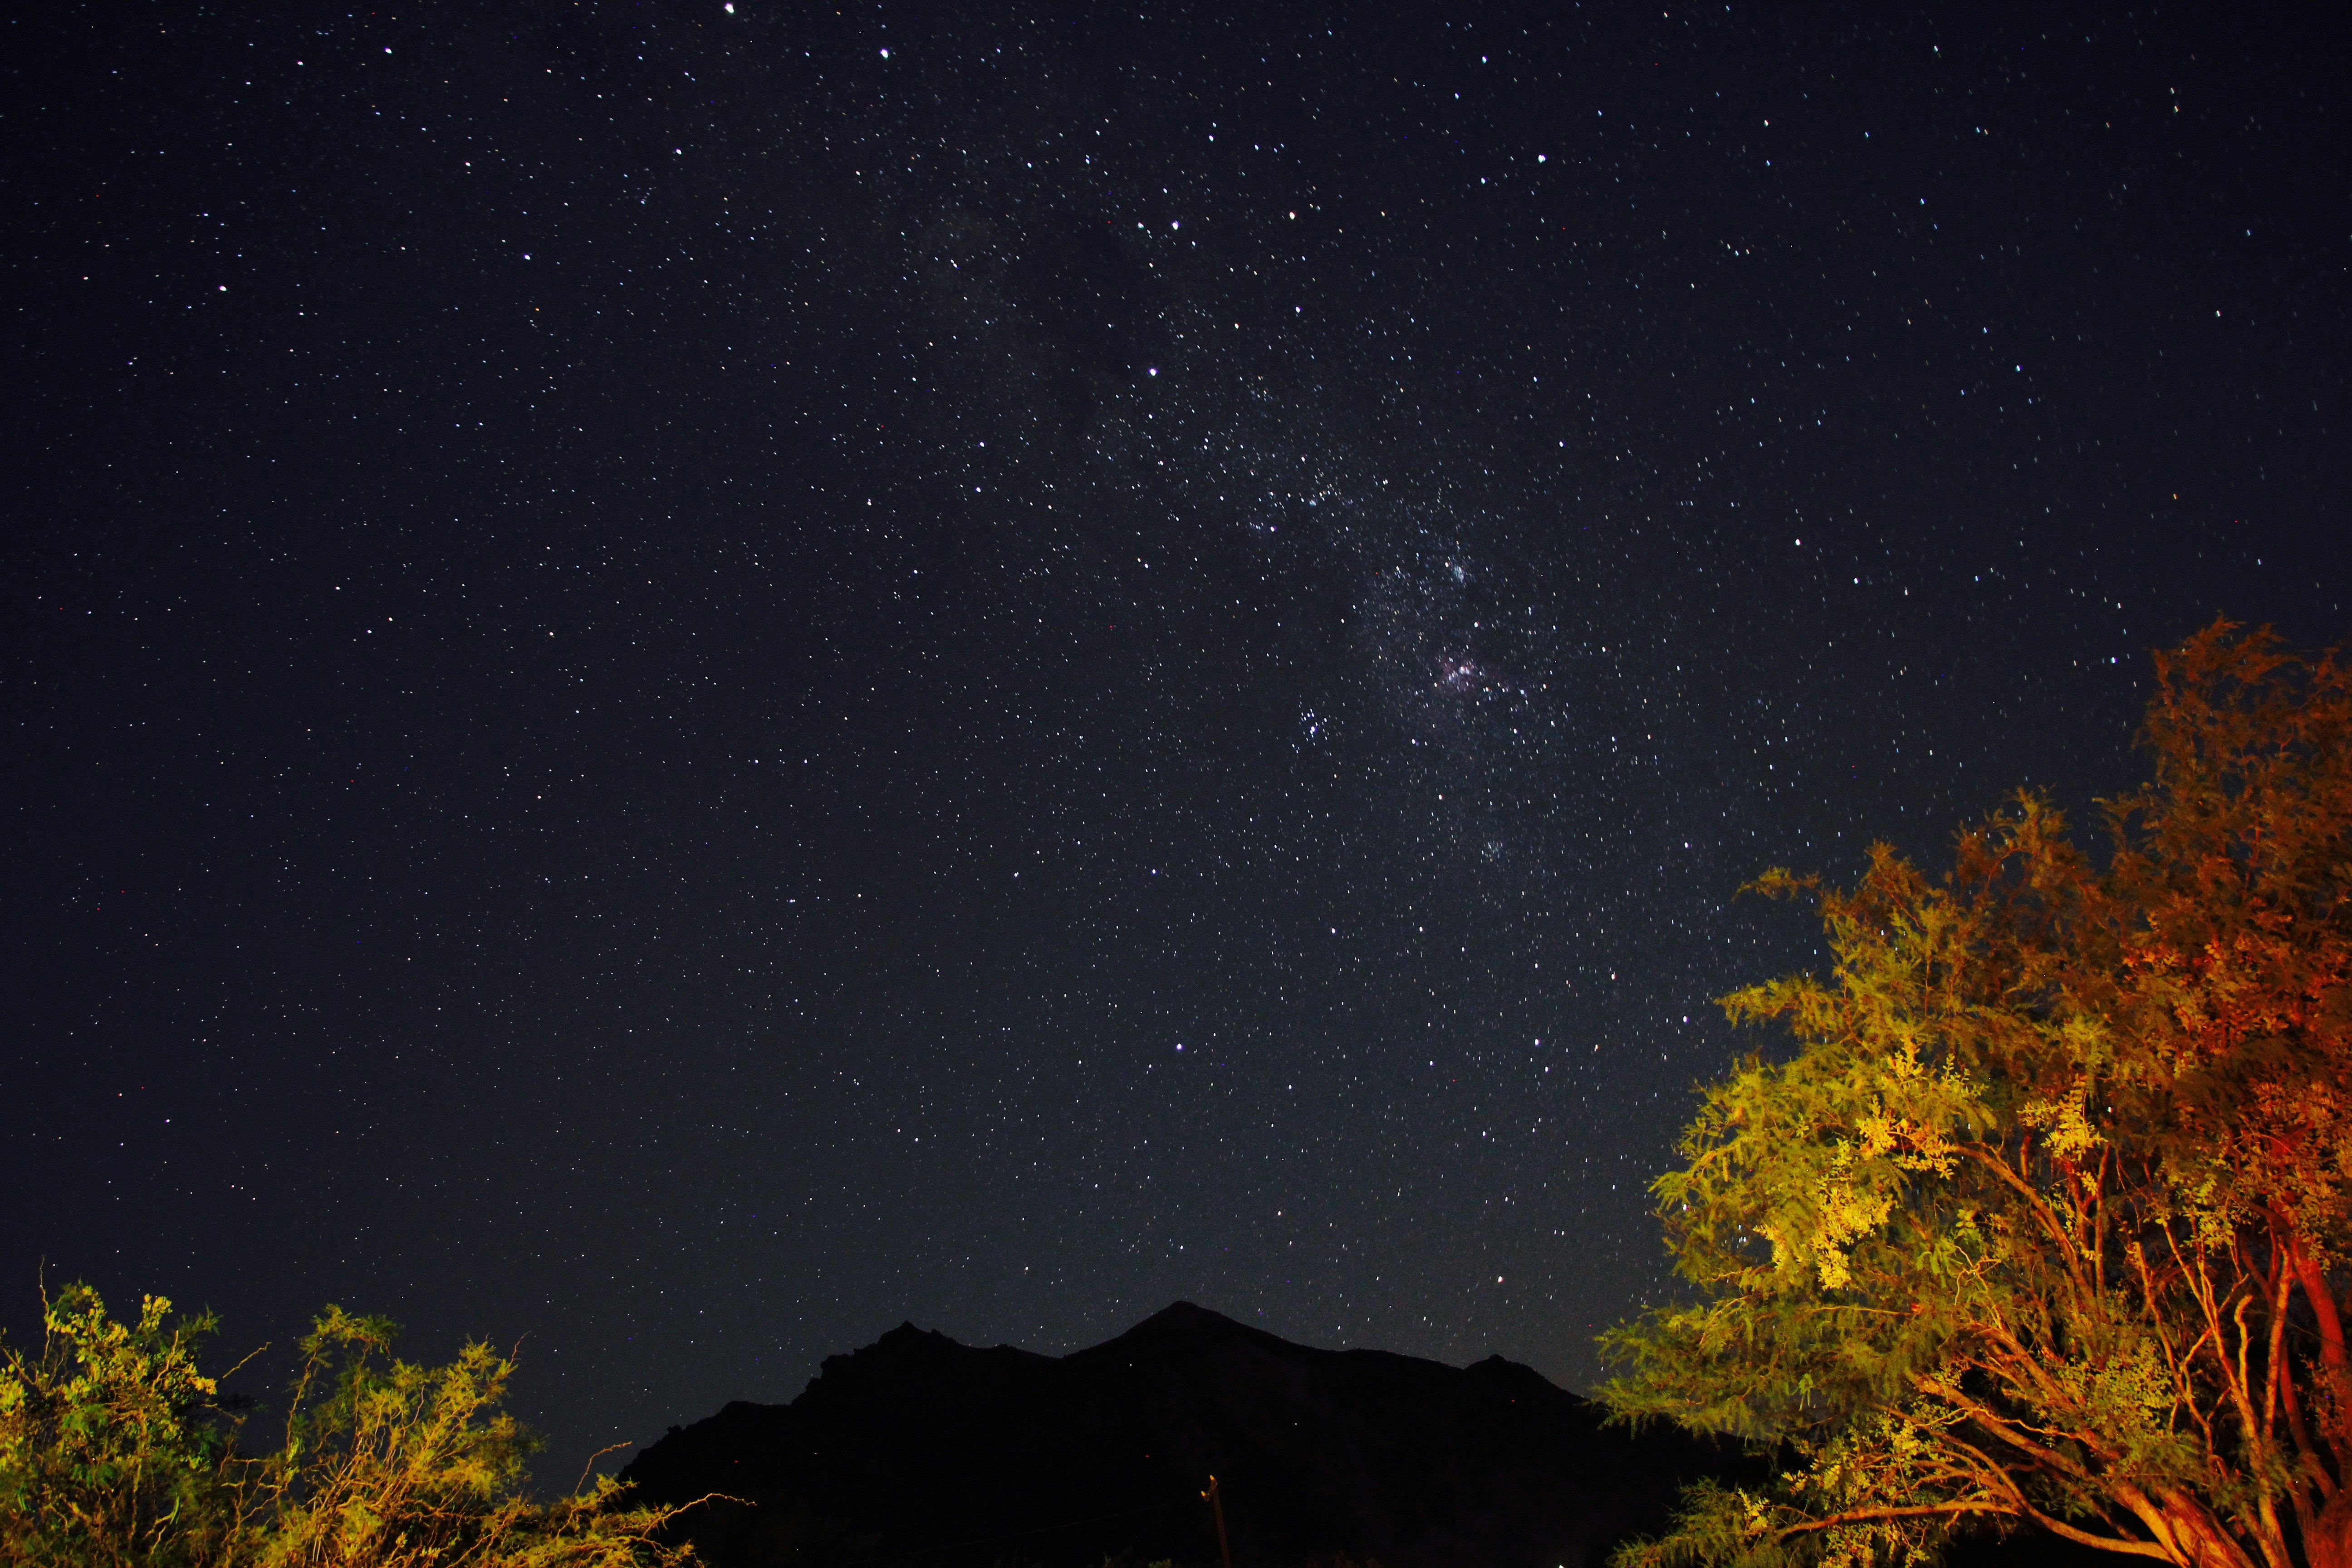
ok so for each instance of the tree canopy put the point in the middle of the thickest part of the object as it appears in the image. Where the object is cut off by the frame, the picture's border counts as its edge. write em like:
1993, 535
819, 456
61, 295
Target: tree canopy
116, 1451
2042, 1219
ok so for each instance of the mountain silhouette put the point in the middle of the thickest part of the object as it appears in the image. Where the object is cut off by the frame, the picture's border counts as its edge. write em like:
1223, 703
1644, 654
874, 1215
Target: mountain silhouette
920, 1452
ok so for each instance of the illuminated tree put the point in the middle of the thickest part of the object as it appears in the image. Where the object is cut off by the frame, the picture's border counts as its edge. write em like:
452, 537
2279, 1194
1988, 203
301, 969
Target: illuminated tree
115, 1451
109, 1449
2043, 1219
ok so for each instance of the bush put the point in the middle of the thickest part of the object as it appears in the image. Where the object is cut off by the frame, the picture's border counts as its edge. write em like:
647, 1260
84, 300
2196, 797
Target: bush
117, 1450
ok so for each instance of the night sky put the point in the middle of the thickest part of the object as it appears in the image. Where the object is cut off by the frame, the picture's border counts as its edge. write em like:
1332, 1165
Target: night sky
683, 679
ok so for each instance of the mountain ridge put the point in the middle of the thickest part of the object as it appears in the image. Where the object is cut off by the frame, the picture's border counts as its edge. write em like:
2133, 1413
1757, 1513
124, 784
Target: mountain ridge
917, 1449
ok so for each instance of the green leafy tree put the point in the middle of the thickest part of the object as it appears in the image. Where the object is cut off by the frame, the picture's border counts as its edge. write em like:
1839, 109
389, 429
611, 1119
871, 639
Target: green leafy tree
2043, 1219
112, 1451
115, 1449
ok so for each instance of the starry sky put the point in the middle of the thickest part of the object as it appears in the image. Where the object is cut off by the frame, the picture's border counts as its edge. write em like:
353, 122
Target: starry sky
681, 679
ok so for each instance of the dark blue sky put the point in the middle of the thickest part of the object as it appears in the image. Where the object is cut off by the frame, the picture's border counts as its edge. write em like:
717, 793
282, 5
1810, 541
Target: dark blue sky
686, 681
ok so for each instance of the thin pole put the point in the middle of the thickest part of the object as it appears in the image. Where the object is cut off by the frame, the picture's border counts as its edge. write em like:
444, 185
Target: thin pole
1217, 1505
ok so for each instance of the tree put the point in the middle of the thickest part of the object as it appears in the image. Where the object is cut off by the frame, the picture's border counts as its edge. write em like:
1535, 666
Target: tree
116, 1450
110, 1451
2043, 1219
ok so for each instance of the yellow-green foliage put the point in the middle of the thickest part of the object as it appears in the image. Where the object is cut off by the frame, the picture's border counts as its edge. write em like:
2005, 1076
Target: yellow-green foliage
114, 1450
2045, 1218
108, 1453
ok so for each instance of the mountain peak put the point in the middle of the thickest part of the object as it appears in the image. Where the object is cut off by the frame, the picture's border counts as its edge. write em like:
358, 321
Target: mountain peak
916, 1444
